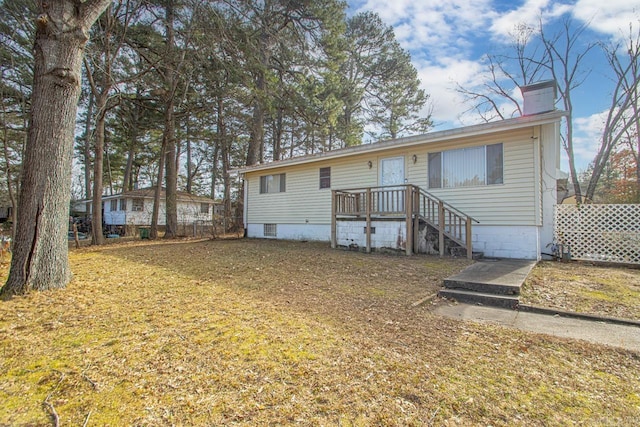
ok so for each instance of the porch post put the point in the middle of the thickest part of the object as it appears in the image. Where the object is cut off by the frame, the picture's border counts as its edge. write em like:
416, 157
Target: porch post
468, 239
408, 208
416, 220
441, 227
333, 219
368, 216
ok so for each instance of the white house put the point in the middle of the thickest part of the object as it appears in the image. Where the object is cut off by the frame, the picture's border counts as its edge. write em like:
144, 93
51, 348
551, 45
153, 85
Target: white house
490, 186
135, 208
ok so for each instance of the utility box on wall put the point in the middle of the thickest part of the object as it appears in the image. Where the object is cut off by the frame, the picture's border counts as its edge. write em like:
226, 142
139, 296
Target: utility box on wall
539, 97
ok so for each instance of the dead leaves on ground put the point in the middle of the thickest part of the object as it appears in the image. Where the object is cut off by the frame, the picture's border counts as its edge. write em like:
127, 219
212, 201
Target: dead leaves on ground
278, 333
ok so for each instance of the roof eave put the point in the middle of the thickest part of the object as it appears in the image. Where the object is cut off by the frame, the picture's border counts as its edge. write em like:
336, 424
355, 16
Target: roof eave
473, 130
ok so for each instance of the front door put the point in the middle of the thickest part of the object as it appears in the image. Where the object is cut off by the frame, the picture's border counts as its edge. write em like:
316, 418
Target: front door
391, 174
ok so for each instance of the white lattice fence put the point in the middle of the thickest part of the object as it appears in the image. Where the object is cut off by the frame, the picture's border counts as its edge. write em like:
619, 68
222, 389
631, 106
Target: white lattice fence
600, 232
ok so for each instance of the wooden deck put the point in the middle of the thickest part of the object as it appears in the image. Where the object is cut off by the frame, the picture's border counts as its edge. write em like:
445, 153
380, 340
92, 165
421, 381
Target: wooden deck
408, 203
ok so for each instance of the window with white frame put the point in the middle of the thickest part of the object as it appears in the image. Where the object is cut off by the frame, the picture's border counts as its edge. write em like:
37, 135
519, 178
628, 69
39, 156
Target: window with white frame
272, 183
467, 167
204, 208
123, 204
137, 205
113, 206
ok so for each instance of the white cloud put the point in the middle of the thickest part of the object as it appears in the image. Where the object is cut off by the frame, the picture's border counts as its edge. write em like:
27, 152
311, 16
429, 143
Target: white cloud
439, 81
530, 13
447, 41
610, 17
440, 27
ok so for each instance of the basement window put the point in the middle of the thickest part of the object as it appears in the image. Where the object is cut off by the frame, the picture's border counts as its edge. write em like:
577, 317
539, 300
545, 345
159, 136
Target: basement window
270, 230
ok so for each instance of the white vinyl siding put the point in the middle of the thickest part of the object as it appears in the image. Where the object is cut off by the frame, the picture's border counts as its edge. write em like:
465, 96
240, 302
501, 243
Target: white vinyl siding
304, 202
512, 203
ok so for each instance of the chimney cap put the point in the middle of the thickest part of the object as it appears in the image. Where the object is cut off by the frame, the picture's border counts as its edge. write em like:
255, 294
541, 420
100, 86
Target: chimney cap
541, 85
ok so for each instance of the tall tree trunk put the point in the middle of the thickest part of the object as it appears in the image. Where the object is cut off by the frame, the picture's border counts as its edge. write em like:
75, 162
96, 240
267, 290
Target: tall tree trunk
7, 171
127, 180
256, 137
133, 141
277, 135
223, 143
172, 174
214, 170
98, 169
190, 175
169, 137
257, 134
86, 152
155, 213
108, 164
40, 253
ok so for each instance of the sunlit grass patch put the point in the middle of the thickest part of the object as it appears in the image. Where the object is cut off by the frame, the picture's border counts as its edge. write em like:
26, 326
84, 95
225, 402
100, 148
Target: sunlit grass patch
581, 287
285, 333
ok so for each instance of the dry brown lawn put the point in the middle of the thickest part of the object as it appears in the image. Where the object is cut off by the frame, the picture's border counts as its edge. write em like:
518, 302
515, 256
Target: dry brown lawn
585, 288
249, 332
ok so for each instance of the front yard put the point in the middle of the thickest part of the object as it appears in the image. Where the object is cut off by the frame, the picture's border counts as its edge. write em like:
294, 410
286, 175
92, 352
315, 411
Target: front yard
248, 332
585, 288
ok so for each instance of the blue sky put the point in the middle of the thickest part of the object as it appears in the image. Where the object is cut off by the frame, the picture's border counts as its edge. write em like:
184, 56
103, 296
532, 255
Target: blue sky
447, 41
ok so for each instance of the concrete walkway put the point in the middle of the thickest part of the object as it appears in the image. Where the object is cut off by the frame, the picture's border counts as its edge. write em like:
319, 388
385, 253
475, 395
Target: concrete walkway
599, 332
509, 274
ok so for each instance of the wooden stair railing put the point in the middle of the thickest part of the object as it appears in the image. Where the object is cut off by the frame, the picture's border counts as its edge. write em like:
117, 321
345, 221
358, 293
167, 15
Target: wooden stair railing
408, 201
449, 221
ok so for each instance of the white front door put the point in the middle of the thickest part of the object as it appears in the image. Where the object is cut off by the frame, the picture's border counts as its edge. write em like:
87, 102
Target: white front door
391, 173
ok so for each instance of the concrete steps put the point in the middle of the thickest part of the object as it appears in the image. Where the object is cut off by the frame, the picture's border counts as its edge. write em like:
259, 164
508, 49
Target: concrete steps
489, 282
480, 298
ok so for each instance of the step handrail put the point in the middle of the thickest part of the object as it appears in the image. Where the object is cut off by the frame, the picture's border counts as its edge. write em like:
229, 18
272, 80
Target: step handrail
445, 204
410, 201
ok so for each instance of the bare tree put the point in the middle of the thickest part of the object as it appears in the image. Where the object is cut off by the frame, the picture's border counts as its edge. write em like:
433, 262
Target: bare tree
537, 56
525, 64
622, 122
40, 254
566, 54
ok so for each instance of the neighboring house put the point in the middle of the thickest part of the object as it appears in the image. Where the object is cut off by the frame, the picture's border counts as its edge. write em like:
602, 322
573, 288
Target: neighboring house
135, 208
5, 213
5, 208
499, 176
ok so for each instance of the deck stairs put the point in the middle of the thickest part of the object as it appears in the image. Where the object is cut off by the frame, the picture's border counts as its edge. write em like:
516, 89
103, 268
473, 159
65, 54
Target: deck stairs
447, 230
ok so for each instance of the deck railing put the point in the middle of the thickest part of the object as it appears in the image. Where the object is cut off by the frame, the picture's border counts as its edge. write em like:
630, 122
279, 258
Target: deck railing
409, 202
